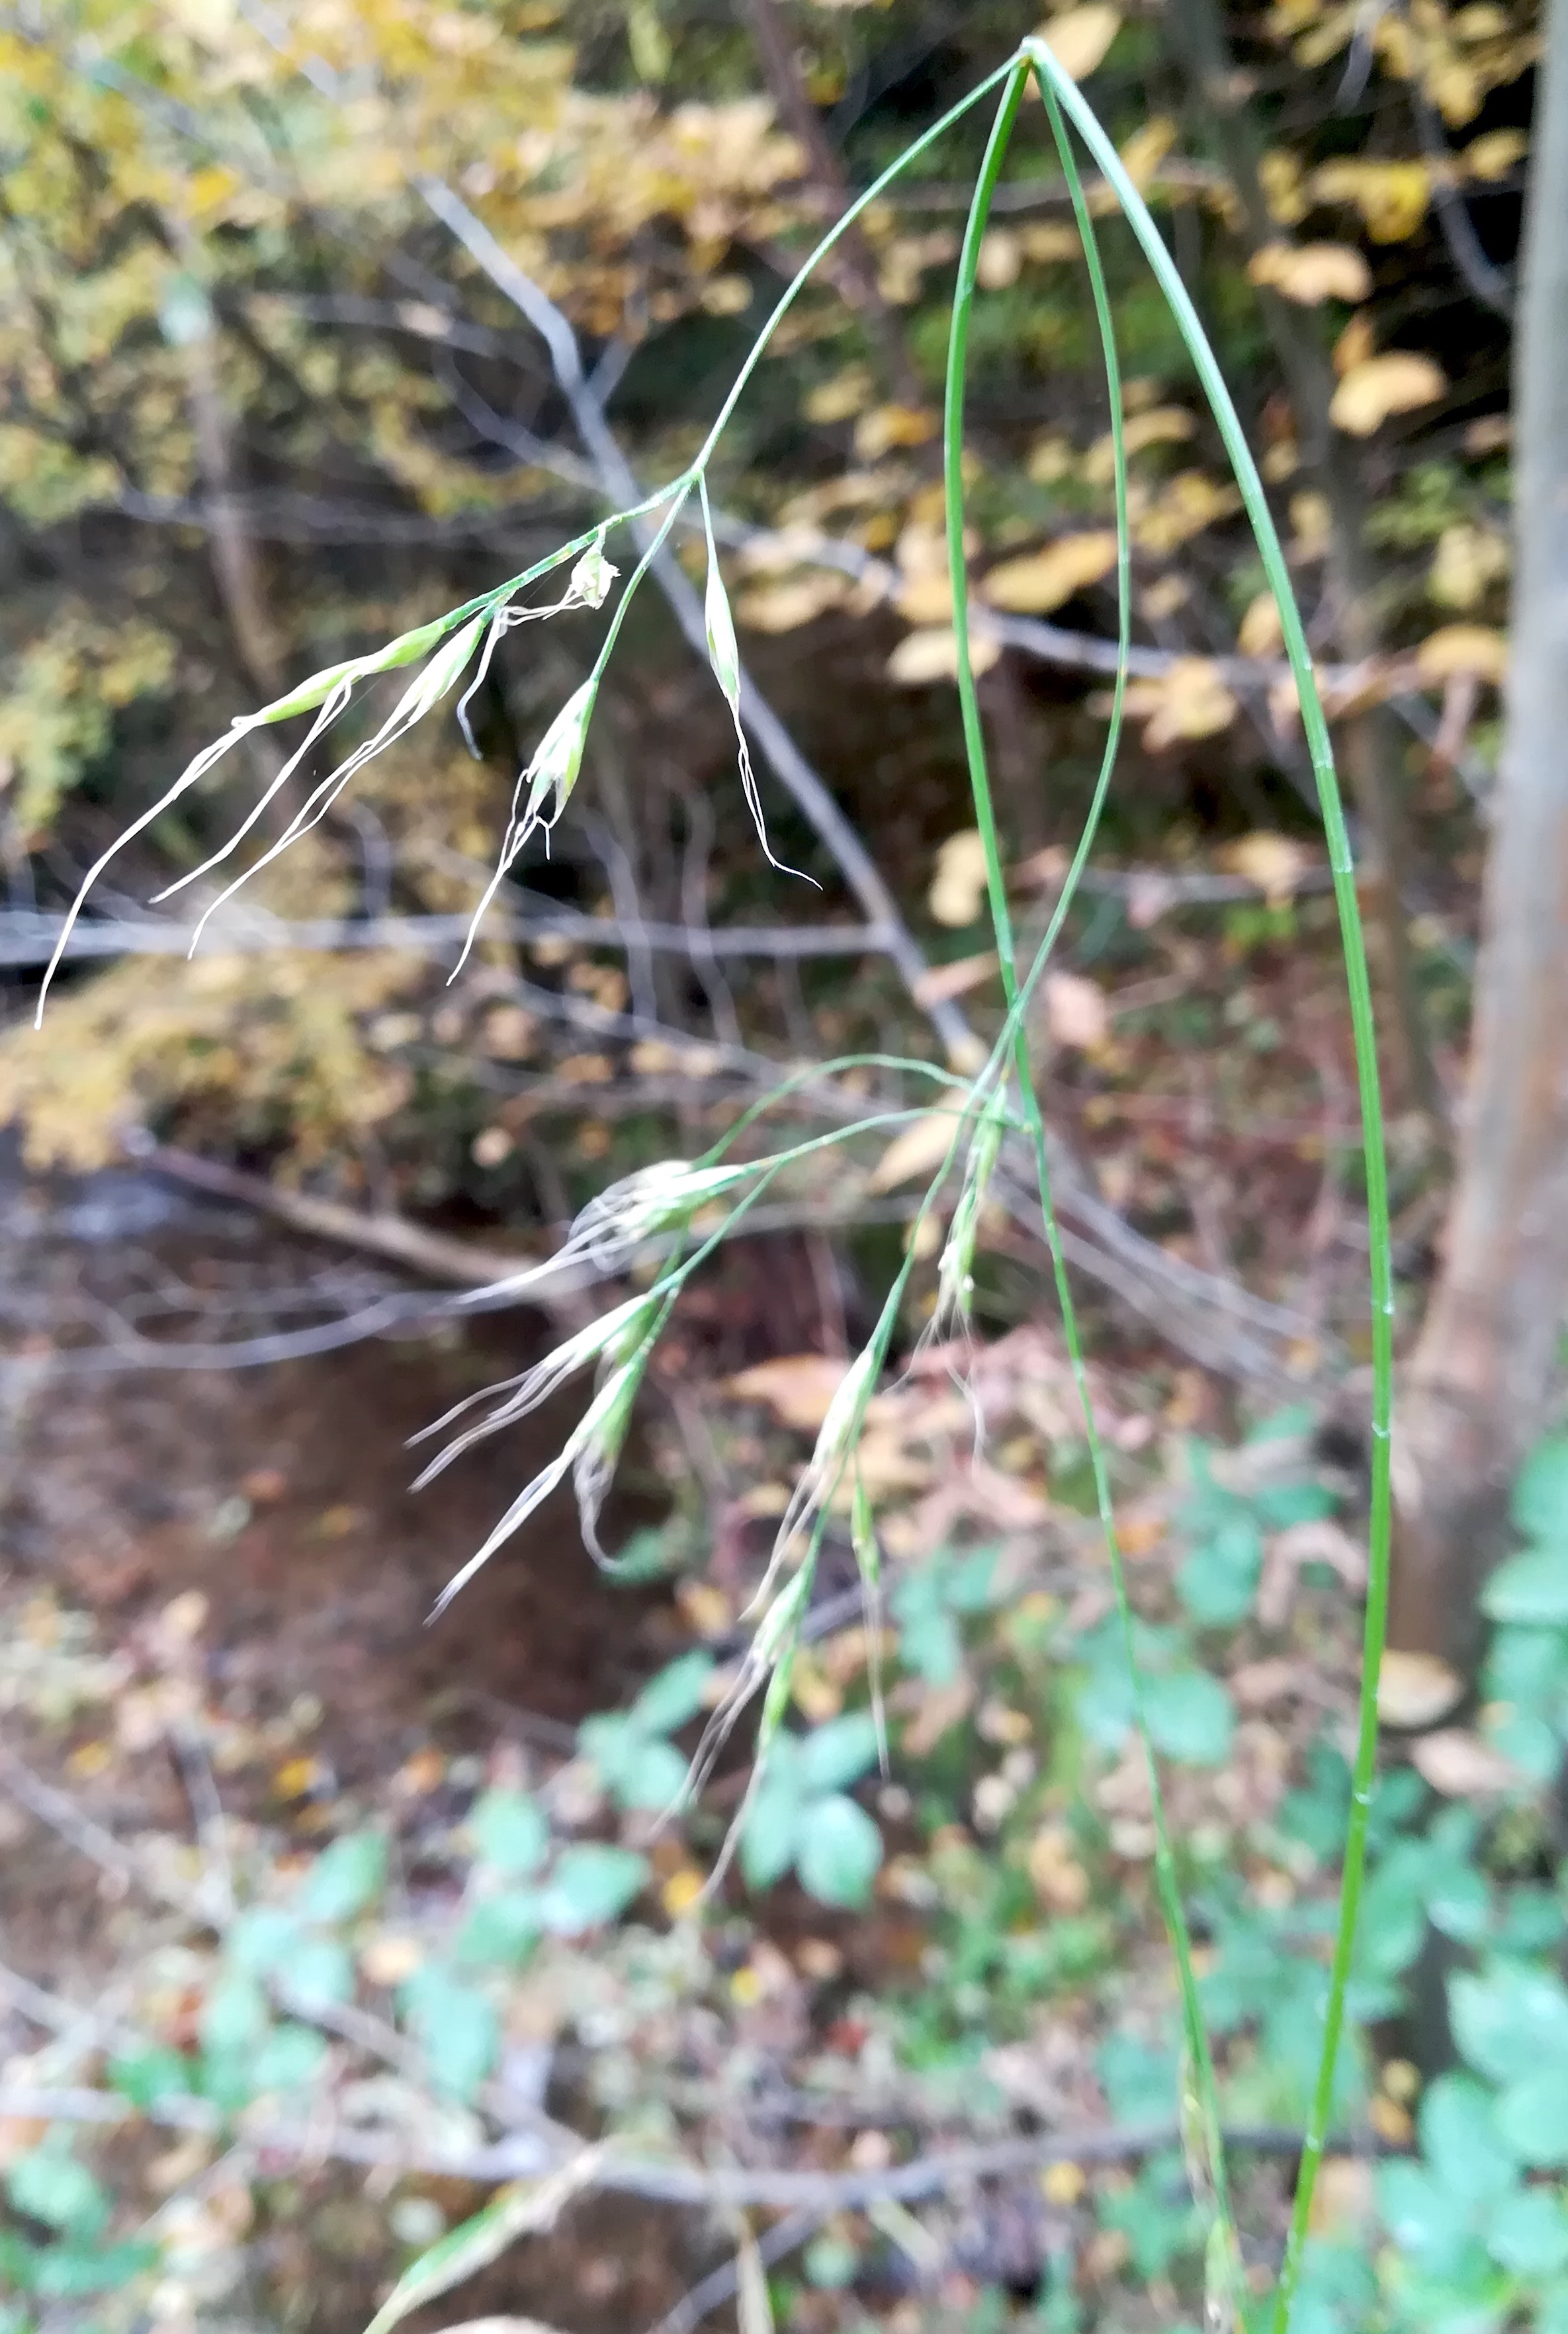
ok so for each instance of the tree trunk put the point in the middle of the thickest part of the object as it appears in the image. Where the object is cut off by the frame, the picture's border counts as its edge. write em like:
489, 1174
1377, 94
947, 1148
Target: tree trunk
1480, 1378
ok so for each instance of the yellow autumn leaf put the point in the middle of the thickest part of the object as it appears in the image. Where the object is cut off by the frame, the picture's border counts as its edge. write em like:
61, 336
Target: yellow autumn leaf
846, 394
1162, 425
1080, 39
1468, 561
1474, 648
787, 605
1043, 580
926, 599
1259, 634
916, 1149
931, 655
1312, 526
1454, 86
1355, 345
885, 427
1279, 175
1371, 392
1310, 272
1416, 1689
1275, 862
1051, 458
1001, 259
1191, 501
1049, 241
957, 891
1391, 197
1146, 148
1190, 700
1494, 154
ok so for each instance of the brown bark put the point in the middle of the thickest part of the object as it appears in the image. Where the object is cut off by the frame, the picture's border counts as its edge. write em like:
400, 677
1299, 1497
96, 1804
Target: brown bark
1480, 1378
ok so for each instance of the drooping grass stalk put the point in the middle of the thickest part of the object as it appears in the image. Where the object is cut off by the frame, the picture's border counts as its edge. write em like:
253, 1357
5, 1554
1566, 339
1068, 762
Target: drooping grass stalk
1197, 2055
1363, 1028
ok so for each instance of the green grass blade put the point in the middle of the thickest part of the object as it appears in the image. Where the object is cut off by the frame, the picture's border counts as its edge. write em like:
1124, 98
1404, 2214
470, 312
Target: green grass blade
1363, 1028
1196, 2050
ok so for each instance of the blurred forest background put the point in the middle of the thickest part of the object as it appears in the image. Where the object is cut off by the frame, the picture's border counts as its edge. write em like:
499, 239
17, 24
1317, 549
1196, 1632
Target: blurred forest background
327, 1936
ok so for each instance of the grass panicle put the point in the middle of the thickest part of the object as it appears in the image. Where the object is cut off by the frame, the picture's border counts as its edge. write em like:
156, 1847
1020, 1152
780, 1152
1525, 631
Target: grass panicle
996, 1110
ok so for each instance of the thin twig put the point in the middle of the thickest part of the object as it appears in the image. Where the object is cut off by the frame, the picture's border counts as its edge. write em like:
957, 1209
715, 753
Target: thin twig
659, 2180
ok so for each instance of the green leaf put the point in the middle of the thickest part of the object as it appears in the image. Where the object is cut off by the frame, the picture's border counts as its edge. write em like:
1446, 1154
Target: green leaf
234, 2015
653, 1779
501, 1931
1279, 1505
592, 1883
1459, 1903
969, 1584
346, 1877
1529, 2234
66, 2271
676, 1695
1531, 1587
838, 1753
454, 2024
1461, 2144
839, 1853
150, 2074
1540, 1503
51, 2186
769, 1833
319, 1973
1190, 1717
1533, 1922
1509, 2019
1219, 1579
290, 2058
511, 1833
1527, 1667
261, 1939
1419, 2215
1533, 2116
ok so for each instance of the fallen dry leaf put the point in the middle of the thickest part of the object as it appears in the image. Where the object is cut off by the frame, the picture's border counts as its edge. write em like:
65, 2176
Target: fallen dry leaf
1371, 392
941, 981
1414, 1689
1310, 272
957, 891
1076, 1013
796, 1388
1162, 425
1187, 702
925, 657
785, 607
916, 1149
1461, 1765
1080, 39
1039, 581
1259, 632
1463, 649
1274, 862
